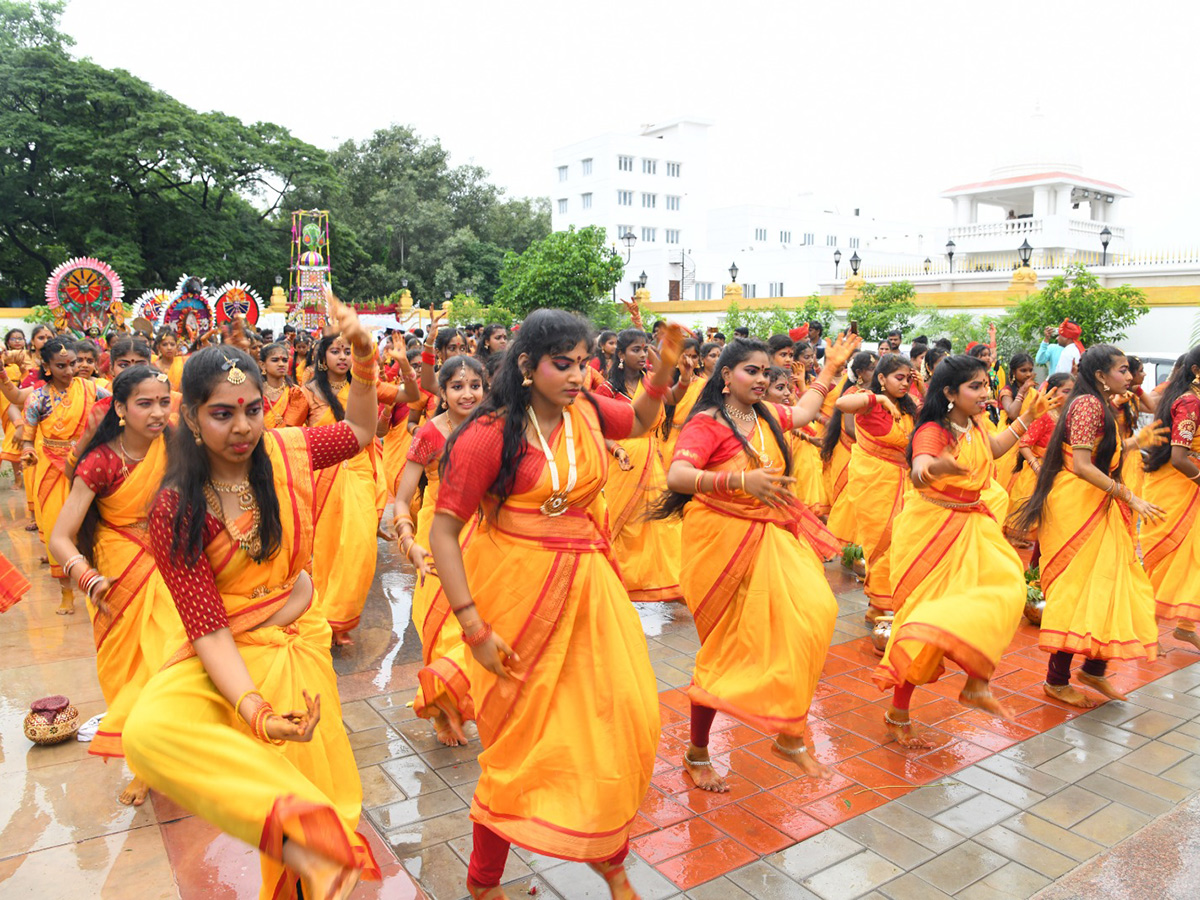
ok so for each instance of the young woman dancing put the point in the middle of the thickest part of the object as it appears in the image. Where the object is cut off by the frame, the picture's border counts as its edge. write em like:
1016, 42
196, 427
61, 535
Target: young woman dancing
765, 614
957, 584
280, 396
1030, 454
1099, 602
878, 473
1171, 545
566, 702
443, 694
101, 536
837, 444
647, 550
229, 728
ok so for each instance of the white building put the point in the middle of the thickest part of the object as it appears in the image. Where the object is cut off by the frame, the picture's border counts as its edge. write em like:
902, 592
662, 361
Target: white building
654, 184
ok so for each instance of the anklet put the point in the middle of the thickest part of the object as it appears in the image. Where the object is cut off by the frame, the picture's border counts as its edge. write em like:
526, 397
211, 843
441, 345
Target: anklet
701, 763
790, 752
975, 695
887, 717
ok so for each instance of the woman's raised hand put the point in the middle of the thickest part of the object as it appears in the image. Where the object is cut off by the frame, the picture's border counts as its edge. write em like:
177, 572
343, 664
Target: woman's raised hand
345, 320
1153, 435
841, 349
295, 726
769, 486
672, 345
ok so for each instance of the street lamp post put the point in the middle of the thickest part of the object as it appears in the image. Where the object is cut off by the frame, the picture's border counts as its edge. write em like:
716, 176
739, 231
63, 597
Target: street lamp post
927, 265
1024, 252
854, 263
733, 270
950, 253
837, 261
1105, 237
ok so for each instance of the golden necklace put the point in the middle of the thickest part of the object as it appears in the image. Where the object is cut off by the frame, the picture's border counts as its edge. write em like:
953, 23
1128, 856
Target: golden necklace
249, 540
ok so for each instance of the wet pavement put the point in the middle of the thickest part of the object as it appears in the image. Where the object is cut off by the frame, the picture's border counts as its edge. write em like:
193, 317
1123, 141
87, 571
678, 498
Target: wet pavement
1074, 804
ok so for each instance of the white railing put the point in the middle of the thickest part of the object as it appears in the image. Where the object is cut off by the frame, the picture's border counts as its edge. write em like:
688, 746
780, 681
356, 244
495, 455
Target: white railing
1044, 262
1021, 229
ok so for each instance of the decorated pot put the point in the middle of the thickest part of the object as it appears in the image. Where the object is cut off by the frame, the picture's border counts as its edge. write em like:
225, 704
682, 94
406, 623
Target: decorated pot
881, 633
51, 720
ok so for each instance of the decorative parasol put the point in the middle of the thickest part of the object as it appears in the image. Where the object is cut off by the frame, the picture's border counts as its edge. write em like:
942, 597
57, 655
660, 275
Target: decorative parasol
82, 291
234, 298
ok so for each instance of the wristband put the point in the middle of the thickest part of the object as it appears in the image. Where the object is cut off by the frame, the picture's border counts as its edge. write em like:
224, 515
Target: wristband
656, 392
480, 636
700, 477
427, 357
822, 389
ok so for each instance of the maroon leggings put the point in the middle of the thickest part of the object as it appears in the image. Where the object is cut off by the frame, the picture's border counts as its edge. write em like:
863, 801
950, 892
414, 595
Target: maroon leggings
490, 853
1059, 671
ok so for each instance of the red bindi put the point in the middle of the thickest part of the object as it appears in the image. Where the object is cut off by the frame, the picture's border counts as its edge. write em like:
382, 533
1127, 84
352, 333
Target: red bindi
241, 400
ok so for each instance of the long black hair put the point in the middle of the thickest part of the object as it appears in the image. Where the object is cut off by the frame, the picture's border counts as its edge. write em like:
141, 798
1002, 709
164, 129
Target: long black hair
712, 397
321, 375
1055, 381
1017, 360
598, 347
187, 462
109, 429
443, 338
616, 366
51, 349
1178, 386
546, 332
860, 363
1096, 359
888, 364
481, 351
954, 372
669, 408
452, 367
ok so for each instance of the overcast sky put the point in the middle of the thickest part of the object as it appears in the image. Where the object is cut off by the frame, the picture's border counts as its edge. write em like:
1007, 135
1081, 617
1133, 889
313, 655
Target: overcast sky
879, 105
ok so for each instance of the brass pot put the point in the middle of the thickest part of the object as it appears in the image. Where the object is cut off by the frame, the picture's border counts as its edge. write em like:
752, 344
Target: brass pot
881, 633
1034, 609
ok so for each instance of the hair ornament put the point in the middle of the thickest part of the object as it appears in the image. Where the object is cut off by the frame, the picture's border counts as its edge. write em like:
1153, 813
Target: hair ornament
161, 376
234, 375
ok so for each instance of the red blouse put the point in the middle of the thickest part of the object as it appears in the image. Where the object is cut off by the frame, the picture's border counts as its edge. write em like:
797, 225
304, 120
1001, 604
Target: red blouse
194, 588
929, 440
427, 444
475, 459
705, 441
1085, 422
875, 420
1184, 415
1039, 432
103, 470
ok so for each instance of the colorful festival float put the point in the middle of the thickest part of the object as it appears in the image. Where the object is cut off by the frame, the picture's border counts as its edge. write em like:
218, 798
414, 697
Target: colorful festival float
84, 295
310, 271
189, 313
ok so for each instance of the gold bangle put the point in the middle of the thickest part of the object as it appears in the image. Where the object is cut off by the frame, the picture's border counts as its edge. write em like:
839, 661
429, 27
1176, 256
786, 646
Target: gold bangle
237, 706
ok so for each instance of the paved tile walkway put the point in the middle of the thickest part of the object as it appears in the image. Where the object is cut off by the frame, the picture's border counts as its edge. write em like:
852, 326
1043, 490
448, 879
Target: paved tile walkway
994, 810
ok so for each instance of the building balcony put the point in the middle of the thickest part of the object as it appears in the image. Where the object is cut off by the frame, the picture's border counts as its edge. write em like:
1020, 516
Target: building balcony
1046, 233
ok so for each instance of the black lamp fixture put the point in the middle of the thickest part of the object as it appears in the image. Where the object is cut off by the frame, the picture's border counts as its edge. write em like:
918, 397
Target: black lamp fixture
927, 265
468, 292
447, 295
642, 279
837, 261
1025, 251
403, 282
628, 239
1105, 237
950, 253
733, 270
279, 279
854, 262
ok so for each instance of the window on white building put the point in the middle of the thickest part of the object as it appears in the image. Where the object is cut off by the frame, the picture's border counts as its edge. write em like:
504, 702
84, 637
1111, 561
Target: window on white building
672, 202
624, 198
673, 170
563, 172
785, 237
649, 201
704, 290
625, 163
562, 205
649, 235
853, 243
760, 234
585, 201
776, 289
748, 290
831, 240
649, 166
672, 235
586, 167
809, 239
623, 230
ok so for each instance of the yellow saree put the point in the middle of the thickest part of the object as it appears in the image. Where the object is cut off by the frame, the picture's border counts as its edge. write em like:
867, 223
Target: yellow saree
569, 740
1172, 545
186, 740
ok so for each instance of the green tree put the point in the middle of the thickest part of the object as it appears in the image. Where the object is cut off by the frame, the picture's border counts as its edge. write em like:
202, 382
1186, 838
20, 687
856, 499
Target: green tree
1104, 314
466, 310
569, 269
880, 308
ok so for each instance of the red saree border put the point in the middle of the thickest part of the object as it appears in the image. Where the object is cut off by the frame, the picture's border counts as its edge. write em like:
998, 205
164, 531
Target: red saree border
929, 558
1173, 539
549, 839
1057, 564
789, 726
1085, 644
971, 659
318, 828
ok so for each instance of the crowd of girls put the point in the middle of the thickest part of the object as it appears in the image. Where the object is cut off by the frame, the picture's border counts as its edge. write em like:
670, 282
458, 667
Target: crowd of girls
218, 508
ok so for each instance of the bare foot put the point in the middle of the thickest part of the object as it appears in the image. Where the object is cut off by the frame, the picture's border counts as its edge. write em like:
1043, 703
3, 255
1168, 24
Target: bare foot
485, 893
793, 751
447, 723
904, 731
67, 606
1101, 684
44, 560
385, 534
872, 614
342, 639
323, 879
977, 694
135, 793
32, 526
1068, 694
618, 880
1188, 637
697, 764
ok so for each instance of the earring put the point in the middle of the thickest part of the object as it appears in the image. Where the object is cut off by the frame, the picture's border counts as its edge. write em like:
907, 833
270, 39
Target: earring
121, 421
951, 406
199, 440
321, 365
1196, 380
725, 390
1104, 387
526, 381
